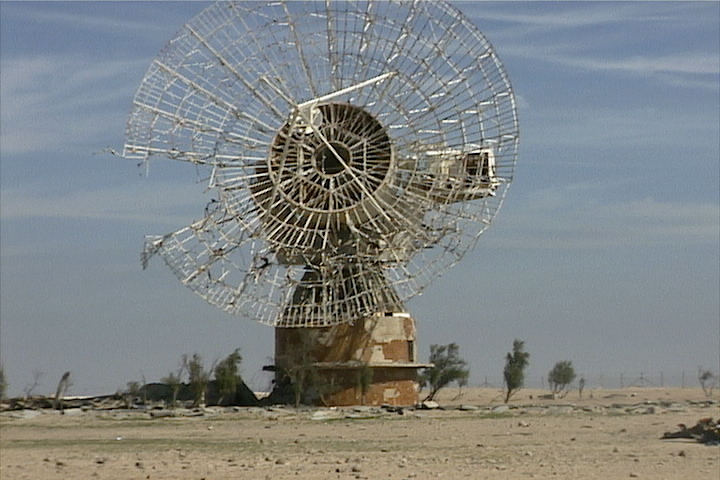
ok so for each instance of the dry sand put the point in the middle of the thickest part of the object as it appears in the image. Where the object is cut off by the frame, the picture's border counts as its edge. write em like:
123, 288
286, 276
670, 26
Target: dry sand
613, 435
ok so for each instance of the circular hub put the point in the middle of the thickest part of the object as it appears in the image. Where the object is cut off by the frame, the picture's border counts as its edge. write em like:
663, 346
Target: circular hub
329, 166
332, 159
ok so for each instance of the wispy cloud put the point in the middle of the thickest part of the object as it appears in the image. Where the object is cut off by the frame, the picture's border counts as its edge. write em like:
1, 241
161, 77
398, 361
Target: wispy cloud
594, 126
569, 18
690, 68
105, 24
580, 216
164, 204
52, 103
681, 64
597, 38
574, 15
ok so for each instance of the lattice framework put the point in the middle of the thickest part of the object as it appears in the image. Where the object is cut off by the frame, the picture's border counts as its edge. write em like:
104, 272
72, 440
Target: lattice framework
357, 151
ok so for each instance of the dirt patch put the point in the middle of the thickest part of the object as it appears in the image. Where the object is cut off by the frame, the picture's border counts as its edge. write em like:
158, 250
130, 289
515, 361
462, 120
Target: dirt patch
615, 434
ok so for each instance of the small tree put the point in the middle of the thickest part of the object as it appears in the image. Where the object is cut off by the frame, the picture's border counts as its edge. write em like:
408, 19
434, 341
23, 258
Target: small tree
298, 367
226, 375
198, 377
514, 372
174, 382
3, 383
27, 391
707, 381
132, 391
60, 391
561, 376
461, 382
447, 367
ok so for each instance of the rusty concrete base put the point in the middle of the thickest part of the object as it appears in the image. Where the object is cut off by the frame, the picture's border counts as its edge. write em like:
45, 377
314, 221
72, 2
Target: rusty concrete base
388, 386
372, 362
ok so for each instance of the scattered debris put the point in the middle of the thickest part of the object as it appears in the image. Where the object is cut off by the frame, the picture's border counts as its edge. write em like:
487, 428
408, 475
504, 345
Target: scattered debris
501, 409
705, 431
468, 408
393, 409
115, 406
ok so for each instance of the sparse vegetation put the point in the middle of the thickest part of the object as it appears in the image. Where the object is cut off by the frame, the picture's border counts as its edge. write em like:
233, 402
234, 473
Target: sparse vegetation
708, 381
62, 388
461, 382
28, 390
560, 377
514, 371
174, 382
132, 391
3, 383
447, 367
198, 377
226, 375
299, 368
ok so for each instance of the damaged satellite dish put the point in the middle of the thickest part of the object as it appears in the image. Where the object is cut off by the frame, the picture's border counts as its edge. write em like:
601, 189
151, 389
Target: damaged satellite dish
356, 149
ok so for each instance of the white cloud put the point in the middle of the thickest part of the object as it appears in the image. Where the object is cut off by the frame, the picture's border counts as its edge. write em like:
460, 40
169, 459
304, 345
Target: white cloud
163, 204
581, 216
574, 15
570, 18
93, 22
52, 103
680, 63
696, 66
105, 20
600, 127
610, 38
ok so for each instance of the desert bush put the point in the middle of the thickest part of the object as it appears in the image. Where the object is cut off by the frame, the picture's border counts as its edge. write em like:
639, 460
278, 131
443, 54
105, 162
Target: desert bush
3, 383
514, 371
707, 380
174, 382
447, 367
226, 375
133, 390
298, 370
28, 390
198, 377
561, 376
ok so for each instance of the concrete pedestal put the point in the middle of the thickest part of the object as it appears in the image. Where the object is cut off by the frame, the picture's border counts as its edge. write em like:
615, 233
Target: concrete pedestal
371, 362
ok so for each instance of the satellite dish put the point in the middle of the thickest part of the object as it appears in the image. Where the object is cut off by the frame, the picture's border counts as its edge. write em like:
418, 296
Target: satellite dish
357, 150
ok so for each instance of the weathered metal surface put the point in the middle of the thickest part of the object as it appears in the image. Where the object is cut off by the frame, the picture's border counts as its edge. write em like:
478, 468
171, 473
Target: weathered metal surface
384, 344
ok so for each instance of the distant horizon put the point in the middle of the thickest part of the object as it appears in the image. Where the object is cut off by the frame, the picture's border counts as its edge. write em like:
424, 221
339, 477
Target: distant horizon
616, 381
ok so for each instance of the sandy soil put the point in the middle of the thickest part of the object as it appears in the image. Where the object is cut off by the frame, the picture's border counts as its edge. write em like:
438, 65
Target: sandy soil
613, 435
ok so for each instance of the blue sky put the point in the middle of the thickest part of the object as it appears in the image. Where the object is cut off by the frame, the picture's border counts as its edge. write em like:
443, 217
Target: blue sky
606, 251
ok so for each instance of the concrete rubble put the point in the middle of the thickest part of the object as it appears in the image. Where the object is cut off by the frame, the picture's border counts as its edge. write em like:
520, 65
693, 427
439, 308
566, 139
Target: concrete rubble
117, 407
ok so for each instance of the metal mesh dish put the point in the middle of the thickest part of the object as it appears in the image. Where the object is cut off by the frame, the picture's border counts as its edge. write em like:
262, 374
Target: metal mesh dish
358, 150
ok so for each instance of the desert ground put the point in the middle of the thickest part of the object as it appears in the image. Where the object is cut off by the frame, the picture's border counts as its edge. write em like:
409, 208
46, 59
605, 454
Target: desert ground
607, 434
